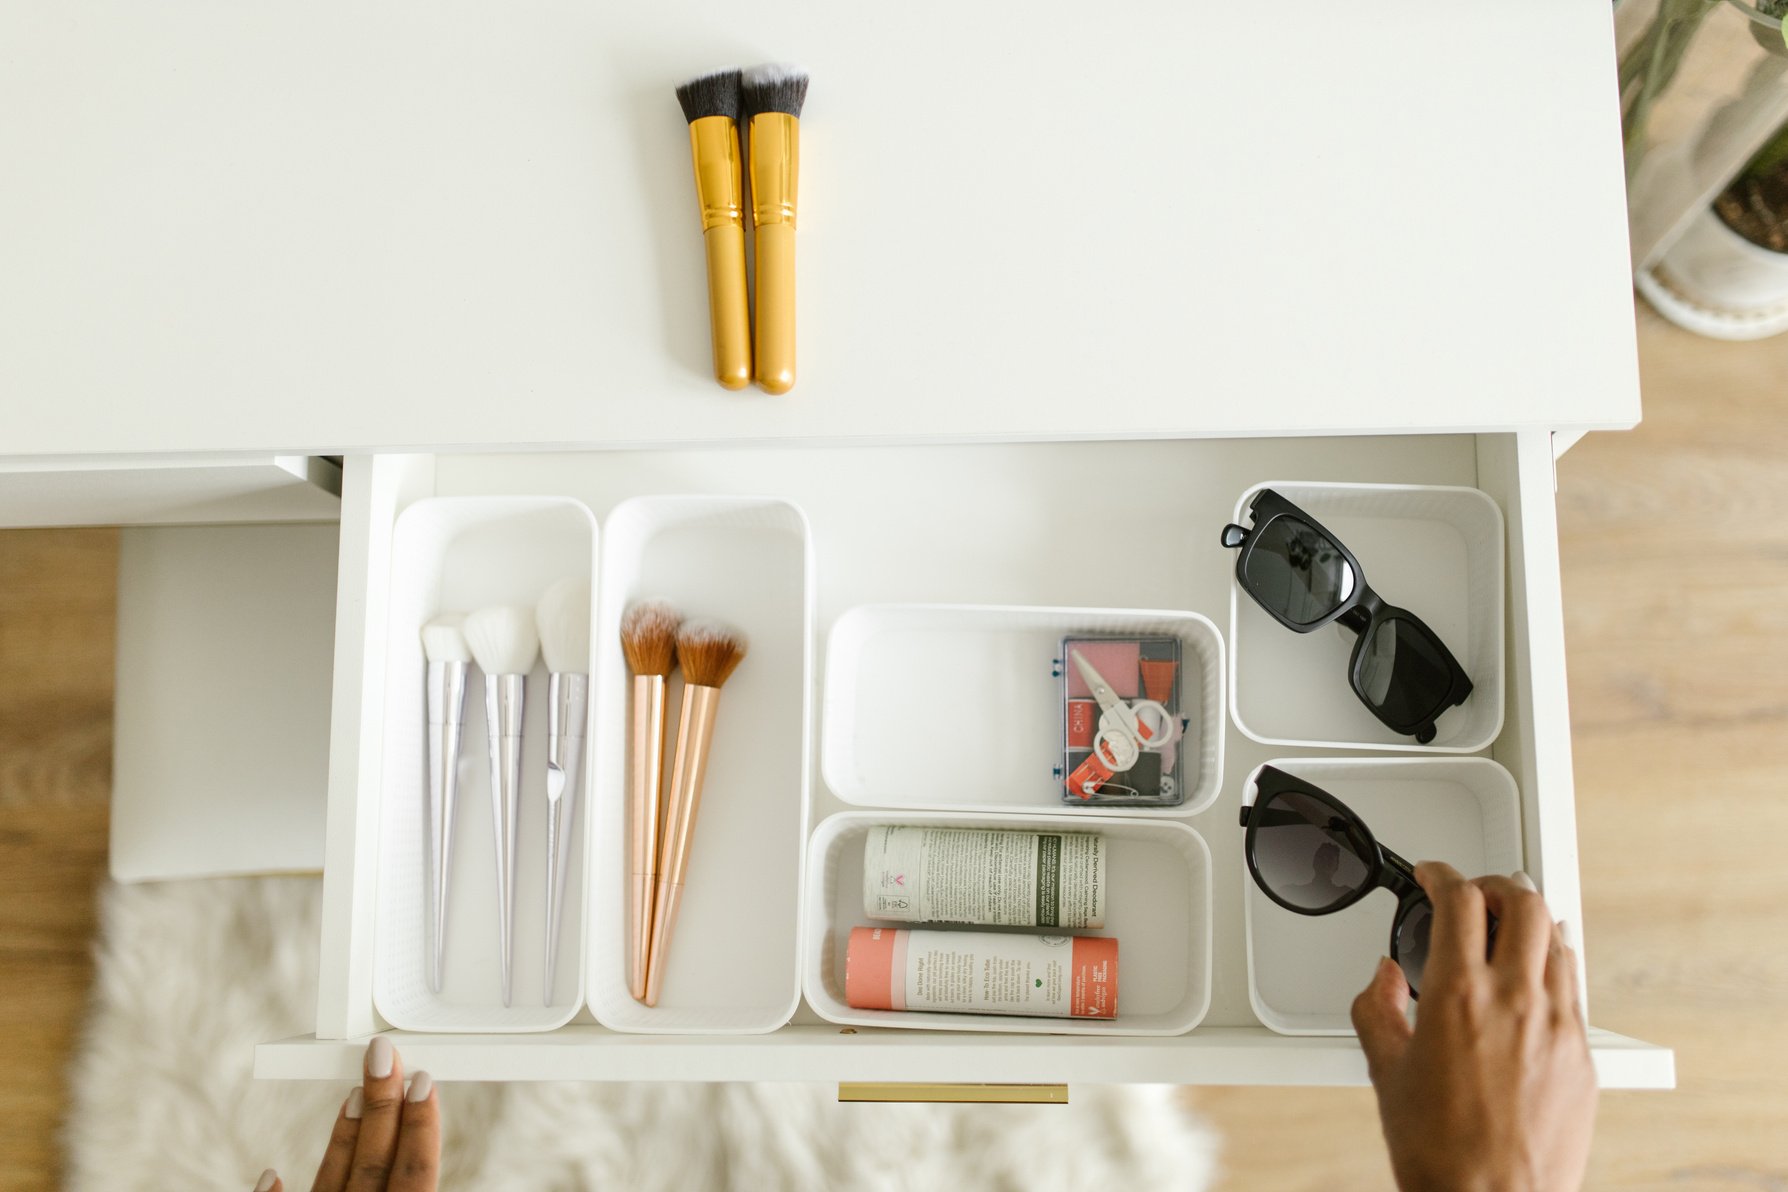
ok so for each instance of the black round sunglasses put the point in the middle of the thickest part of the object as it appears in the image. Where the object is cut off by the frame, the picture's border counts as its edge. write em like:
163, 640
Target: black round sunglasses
1310, 853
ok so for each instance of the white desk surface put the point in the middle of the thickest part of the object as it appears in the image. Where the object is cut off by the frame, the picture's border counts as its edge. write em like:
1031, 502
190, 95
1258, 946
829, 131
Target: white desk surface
337, 227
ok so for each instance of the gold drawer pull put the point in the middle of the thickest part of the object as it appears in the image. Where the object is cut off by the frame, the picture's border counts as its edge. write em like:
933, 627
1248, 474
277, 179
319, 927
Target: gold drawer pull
955, 1094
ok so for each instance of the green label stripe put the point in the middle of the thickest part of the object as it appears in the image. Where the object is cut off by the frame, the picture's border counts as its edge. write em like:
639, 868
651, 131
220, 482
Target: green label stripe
1049, 880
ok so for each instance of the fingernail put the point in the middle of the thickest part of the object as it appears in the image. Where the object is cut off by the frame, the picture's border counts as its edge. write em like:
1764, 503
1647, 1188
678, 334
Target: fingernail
379, 1058
355, 1106
1569, 932
1520, 878
421, 1085
268, 1178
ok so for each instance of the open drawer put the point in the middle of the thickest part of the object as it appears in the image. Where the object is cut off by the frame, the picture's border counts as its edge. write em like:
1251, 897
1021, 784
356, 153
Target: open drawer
980, 524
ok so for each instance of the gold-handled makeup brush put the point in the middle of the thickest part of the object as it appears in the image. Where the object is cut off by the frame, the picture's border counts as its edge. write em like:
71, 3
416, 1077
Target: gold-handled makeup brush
649, 640
711, 105
708, 653
774, 95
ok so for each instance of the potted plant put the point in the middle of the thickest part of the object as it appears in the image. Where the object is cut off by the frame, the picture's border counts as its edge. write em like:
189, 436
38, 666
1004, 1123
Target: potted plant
1727, 276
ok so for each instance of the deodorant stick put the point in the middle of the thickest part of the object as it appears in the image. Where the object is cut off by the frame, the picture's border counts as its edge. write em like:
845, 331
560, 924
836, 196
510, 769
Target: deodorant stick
984, 877
981, 972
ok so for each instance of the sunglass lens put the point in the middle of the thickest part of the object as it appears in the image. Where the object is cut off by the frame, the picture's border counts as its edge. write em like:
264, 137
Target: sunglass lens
1308, 855
1403, 672
1412, 942
1297, 572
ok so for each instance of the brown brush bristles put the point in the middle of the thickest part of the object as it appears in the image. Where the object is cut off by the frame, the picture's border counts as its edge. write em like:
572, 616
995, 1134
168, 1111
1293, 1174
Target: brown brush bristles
709, 652
649, 637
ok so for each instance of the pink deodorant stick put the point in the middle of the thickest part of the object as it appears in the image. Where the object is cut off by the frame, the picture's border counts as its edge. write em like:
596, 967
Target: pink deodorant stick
977, 972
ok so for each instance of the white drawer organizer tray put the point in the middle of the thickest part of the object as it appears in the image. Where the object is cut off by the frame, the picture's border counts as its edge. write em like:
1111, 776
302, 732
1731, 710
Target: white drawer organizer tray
1303, 970
1435, 550
748, 561
460, 554
1158, 908
979, 678
733, 961
987, 524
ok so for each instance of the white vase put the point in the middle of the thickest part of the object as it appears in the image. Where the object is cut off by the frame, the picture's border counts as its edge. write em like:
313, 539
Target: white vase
1716, 283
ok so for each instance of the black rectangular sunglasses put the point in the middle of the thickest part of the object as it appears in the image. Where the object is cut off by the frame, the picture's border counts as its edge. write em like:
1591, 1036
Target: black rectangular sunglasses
1310, 853
1302, 575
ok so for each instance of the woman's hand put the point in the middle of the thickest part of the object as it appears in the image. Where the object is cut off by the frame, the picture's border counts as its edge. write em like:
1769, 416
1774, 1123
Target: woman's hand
1493, 1088
385, 1140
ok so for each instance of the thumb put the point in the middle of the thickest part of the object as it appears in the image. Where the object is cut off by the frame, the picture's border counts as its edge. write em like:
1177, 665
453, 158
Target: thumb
1378, 1018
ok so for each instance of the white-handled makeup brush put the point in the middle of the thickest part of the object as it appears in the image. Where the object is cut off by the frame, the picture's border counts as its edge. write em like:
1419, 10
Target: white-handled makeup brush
444, 645
564, 620
505, 643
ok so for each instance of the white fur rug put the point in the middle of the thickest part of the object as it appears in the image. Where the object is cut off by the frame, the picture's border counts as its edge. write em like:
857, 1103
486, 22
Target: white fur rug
192, 974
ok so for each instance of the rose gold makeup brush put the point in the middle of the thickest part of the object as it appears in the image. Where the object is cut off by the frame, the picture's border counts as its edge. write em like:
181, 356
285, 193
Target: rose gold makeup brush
709, 653
649, 640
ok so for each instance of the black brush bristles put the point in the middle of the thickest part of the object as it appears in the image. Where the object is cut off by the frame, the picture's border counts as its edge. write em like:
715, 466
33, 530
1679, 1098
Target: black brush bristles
774, 87
713, 94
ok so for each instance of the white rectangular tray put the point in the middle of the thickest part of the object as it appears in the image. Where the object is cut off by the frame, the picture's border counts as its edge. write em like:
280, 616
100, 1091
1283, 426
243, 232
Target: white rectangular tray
747, 561
955, 707
1436, 550
1305, 970
459, 554
1158, 908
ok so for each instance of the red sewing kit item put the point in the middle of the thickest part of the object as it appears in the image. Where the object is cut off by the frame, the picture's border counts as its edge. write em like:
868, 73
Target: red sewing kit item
1083, 723
1121, 724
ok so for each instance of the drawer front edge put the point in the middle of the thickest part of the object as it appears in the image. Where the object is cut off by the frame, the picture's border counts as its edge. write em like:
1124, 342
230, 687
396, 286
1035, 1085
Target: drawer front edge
373, 489
1209, 1056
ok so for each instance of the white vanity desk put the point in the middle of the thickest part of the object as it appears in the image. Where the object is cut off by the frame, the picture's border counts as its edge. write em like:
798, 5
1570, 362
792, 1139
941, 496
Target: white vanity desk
1158, 254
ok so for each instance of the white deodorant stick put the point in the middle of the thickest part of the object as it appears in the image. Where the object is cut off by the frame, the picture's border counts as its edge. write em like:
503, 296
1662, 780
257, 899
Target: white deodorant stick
985, 877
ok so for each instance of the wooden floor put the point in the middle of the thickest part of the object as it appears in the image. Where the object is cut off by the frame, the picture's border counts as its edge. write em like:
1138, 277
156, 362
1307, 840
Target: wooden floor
58, 594
1675, 554
1676, 584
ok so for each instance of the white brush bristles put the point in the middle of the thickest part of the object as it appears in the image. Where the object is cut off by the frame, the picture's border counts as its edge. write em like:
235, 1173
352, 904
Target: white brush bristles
503, 639
774, 87
444, 639
564, 619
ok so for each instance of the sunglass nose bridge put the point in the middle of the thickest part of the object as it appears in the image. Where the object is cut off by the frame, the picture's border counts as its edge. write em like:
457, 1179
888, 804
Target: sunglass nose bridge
1234, 535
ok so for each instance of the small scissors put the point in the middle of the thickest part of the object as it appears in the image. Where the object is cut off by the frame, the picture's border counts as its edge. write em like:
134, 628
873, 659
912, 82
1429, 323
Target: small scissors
1125, 728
